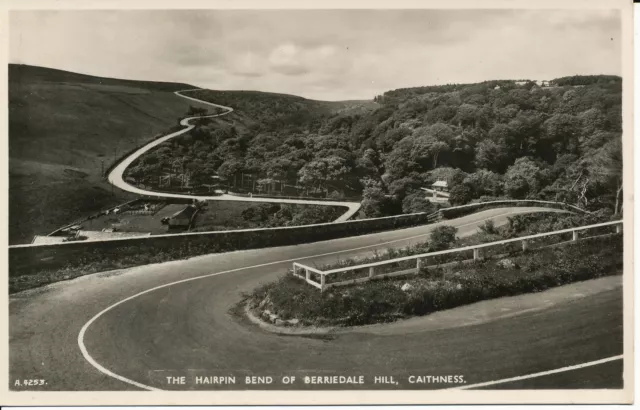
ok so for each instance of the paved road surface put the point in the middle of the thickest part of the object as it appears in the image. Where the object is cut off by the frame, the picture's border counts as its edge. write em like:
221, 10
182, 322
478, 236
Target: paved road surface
188, 329
116, 175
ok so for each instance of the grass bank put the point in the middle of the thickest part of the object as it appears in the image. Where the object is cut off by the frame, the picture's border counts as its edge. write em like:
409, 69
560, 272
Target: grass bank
292, 301
65, 129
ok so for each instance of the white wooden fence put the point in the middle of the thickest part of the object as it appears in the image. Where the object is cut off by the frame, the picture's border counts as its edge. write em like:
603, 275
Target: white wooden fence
311, 273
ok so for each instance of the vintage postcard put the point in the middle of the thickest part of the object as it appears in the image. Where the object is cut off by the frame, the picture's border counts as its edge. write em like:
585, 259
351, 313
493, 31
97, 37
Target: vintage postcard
340, 202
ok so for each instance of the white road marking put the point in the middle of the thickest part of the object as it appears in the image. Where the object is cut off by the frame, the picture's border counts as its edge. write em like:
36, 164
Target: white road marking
534, 375
108, 372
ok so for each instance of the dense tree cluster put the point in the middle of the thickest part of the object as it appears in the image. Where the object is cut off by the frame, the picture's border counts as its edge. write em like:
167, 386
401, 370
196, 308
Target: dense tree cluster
559, 141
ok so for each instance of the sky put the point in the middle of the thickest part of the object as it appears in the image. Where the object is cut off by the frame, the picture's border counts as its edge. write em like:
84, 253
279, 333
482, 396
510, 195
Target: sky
320, 54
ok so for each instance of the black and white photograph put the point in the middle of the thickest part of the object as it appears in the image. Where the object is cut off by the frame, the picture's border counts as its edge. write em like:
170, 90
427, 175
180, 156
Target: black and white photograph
378, 204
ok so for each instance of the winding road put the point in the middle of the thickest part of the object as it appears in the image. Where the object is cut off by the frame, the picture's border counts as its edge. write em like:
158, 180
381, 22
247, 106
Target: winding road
145, 328
135, 329
116, 176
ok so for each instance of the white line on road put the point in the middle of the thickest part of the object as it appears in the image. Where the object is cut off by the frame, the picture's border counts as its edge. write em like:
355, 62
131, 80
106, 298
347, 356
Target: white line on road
534, 375
108, 372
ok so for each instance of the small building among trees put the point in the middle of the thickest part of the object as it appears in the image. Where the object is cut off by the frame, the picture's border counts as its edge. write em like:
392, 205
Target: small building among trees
440, 186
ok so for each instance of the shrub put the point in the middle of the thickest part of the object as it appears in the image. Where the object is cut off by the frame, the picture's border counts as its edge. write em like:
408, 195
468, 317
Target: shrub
442, 237
460, 195
488, 227
416, 202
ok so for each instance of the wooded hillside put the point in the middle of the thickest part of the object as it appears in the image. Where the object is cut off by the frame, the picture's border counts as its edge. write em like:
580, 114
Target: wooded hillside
558, 141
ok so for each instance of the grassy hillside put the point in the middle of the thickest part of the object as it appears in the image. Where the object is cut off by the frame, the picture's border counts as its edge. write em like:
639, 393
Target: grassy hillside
274, 111
62, 127
35, 74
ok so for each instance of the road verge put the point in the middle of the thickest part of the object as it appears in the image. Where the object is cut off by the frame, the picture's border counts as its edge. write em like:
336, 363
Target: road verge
435, 288
468, 315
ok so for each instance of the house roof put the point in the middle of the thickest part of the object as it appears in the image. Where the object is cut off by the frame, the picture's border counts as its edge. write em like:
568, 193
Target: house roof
441, 184
186, 212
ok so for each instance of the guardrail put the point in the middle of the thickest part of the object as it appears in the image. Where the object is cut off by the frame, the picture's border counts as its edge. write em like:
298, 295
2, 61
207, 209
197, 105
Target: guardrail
310, 273
460, 210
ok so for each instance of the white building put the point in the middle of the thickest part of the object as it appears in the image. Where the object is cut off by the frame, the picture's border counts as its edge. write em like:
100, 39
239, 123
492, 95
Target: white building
440, 186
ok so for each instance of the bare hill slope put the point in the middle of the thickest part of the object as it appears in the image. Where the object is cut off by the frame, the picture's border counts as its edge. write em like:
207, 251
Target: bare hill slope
62, 127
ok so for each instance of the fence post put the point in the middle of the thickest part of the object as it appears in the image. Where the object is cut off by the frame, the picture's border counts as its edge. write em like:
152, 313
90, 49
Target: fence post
295, 269
371, 272
618, 228
476, 254
322, 282
575, 235
524, 245
418, 265
307, 275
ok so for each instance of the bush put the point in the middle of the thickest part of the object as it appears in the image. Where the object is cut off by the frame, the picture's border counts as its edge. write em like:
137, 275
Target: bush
416, 202
460, 195
530, 224
488, 227
442, 237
